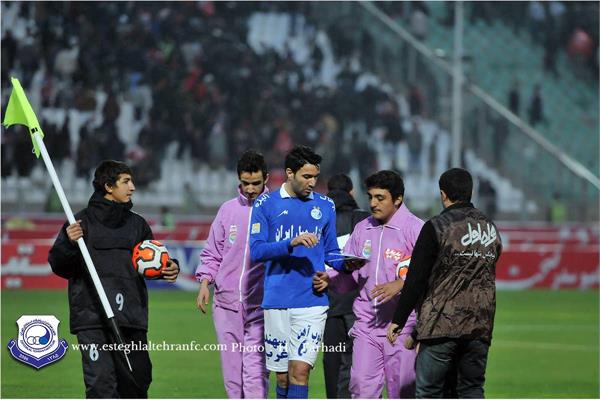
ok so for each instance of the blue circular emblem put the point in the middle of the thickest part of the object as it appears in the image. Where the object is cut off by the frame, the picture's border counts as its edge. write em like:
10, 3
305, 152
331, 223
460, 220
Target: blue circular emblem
38, 335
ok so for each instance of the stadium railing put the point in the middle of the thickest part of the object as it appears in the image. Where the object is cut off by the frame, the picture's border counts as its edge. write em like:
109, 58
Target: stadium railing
535, 165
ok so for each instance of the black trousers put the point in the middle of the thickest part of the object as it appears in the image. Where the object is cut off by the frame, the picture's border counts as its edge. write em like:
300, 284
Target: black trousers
456, 365
105, 371
336, 365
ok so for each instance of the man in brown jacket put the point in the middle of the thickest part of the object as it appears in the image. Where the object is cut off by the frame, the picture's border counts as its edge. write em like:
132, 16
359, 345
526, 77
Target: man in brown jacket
451, 284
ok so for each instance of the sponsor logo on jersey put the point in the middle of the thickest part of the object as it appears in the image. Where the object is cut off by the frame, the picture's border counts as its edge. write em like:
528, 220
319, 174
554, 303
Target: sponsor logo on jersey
232, 233
366, 251
393, 254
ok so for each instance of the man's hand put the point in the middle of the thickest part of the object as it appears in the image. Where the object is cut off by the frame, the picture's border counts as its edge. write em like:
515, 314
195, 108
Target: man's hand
320, 281
74, 231
203, 296
306, 239
393, 332
409, 343
354, 264
170, 272
386, 291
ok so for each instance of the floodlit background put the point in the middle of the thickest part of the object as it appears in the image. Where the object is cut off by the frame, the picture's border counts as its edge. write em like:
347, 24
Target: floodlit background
508, 90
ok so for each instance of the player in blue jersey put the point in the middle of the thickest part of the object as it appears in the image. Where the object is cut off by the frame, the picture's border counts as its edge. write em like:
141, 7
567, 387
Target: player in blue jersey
293, 232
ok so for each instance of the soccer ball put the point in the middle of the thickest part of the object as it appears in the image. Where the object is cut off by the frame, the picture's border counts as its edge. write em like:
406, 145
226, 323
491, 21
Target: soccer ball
149, 258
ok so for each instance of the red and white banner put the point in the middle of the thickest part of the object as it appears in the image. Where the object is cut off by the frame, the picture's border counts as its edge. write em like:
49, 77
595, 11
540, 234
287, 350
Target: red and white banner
25, 265
548, 266
553, 258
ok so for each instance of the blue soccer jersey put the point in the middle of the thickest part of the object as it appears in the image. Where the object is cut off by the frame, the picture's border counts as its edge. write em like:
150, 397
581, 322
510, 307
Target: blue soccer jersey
277, 218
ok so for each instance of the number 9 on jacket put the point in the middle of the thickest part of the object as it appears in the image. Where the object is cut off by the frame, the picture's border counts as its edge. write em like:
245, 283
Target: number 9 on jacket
149, 258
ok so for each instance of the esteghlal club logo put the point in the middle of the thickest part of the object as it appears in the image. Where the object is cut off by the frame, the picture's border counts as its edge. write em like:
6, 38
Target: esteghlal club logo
38, 344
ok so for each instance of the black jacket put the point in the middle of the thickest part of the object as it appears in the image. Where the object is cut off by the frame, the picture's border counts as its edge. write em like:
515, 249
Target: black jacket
347, 216
110, 231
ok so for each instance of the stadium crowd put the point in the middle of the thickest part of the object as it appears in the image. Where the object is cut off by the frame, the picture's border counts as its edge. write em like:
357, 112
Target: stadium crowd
568, 26
191, 78
198, 86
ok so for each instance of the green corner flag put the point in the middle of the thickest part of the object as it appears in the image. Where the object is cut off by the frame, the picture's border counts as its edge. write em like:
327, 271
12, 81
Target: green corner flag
19, 111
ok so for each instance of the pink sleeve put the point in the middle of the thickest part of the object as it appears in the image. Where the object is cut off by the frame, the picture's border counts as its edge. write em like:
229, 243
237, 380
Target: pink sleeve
212, 253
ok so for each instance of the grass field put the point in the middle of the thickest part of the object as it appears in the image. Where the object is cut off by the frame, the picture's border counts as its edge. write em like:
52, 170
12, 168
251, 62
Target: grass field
545, 346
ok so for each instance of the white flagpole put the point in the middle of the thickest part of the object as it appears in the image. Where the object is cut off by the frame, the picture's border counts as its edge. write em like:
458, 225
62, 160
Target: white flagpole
84, 251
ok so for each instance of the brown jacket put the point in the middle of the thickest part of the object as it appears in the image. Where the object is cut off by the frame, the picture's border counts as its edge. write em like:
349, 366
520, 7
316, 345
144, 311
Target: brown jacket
460, 301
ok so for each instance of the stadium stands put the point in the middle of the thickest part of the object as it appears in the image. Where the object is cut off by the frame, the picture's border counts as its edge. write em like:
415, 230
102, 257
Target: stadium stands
207, 80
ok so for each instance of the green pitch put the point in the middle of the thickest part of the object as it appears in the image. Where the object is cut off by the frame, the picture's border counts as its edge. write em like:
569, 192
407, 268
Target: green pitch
545, 345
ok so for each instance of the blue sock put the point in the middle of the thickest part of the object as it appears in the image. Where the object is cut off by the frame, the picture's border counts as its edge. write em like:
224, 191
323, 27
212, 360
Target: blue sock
297, 391
281, 392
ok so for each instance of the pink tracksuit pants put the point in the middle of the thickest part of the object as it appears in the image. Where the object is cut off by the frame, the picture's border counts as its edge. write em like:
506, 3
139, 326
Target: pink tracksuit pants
243, 360
376, 362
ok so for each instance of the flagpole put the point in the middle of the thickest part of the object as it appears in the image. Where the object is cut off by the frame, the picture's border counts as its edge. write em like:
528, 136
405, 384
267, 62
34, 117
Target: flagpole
84, 251
19, 111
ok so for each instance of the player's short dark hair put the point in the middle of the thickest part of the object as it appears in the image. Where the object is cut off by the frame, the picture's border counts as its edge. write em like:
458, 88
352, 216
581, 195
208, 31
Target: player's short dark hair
300, 156
252, 161
457, 183
108, 172
340, 182
389, 180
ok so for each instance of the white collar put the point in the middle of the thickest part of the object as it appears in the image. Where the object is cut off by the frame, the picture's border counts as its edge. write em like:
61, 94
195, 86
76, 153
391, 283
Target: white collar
285, 195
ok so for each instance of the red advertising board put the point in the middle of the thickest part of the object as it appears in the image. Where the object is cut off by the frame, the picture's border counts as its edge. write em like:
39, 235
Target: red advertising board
538, 258
548, 266
25, 265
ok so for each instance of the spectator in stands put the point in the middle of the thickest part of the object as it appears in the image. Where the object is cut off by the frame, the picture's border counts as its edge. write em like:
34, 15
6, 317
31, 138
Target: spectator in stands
415, 146
28, 59
514, 98
480, 10
536, 106
9, 50
52, 203
500, 131
167, 220
487, 198
448, 19
65, 63
23, 160
418, 20
558, 210
190, 200
415, 100
537, 16
551, 46
86, 155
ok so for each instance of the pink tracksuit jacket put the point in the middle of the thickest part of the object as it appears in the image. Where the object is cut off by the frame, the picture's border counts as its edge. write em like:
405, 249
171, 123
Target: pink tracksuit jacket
374, 360
238, 292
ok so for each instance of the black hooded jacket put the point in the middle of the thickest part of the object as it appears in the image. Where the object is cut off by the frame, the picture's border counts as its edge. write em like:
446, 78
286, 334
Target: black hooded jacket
347, 216
110, 231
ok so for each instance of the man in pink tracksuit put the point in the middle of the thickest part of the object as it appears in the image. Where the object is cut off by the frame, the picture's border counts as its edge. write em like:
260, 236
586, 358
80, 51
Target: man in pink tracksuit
238, 285
386, 239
